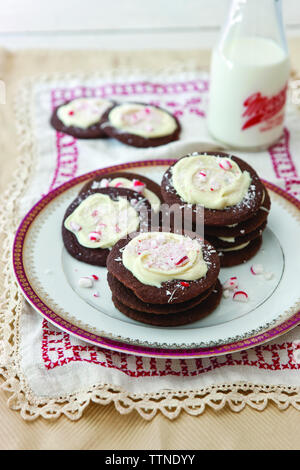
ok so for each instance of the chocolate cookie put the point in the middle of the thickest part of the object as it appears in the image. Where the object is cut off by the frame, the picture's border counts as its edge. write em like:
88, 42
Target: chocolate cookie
233, 258
238, 213
175, 319
139, 208
220, 243
244, 227
82, 118
127, 297
172, 291
141, 125
138, 183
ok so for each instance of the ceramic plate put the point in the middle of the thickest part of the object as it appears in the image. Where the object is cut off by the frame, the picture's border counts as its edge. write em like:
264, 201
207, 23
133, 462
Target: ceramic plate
48, 277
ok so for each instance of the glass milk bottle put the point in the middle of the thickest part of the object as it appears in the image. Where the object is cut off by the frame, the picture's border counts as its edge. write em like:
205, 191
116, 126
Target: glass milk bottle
249, 76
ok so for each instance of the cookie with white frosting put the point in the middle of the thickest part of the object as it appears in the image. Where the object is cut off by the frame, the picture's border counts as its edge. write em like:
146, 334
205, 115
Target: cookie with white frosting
97, 219
82, 117
164, 268
136, 182
227, 188
230, 197
141, 125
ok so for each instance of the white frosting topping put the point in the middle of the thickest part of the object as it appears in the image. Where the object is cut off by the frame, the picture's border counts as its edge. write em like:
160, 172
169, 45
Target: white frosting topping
227, 239
83, 112
154, 258
100, 222
211, 181
143, 120
135, 184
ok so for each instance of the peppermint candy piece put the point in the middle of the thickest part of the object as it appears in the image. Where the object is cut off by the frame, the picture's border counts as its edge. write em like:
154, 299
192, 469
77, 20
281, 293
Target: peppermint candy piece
85, 282
138, 186
225, 165
182, 261
226, 293
214, 185
231, 283
202, 176
94, 236
104, 183
257, 269
240, 296
75, 227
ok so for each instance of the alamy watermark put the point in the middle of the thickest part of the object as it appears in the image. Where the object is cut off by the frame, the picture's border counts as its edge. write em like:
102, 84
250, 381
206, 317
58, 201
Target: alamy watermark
186, 220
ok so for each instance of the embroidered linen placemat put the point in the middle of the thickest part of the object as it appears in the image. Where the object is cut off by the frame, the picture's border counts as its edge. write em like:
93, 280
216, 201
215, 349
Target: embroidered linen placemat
50, 373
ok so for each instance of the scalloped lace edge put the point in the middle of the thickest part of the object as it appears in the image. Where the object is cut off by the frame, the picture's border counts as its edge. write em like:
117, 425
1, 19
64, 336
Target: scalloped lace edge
21, 398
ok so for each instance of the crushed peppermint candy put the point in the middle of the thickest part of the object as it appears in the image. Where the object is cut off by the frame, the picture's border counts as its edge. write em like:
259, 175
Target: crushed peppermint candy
164, 254
240, 296
226, 293
74, 226
214, 185
201, 175
230, 290
85, 282
171, 298
231, 283
225, 165
104, 183
96, 294
95, 236
182, 261
257, 269
138, 186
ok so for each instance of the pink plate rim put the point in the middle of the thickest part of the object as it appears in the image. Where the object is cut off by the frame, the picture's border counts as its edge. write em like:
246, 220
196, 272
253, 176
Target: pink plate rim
51, 316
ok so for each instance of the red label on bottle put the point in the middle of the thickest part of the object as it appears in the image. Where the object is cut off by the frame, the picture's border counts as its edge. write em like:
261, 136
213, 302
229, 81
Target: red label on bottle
261, 108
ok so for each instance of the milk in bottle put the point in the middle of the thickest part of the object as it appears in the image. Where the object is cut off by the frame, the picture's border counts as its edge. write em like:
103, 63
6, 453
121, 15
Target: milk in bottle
249, 76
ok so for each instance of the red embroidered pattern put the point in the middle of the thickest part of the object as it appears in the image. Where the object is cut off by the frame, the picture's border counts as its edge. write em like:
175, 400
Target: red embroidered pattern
58, 351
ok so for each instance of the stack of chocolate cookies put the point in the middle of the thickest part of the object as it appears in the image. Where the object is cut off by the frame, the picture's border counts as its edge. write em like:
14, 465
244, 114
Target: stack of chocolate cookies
164, 279
231, 197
